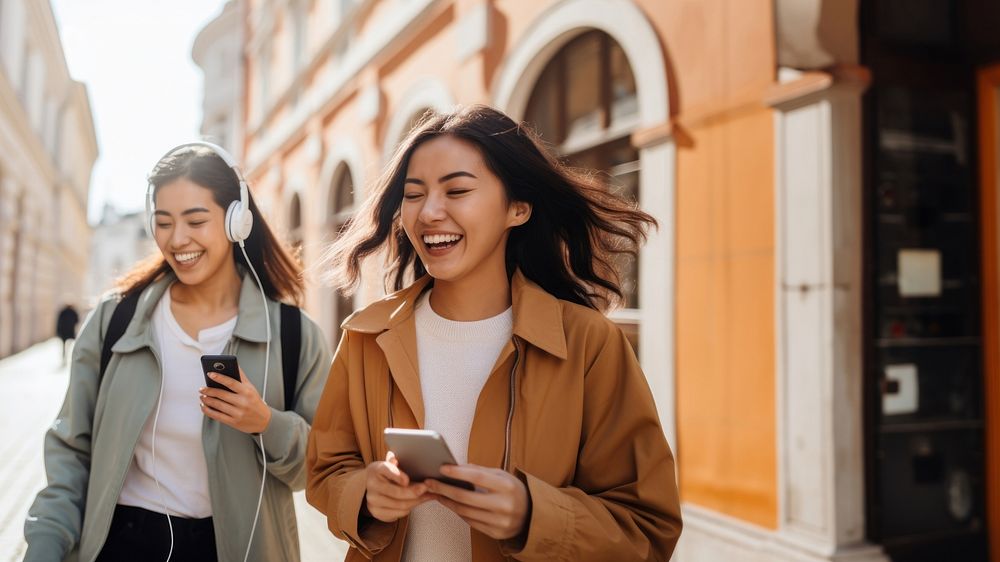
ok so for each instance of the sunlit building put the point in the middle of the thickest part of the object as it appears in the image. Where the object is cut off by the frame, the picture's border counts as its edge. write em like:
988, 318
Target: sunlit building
47, 151
818, 314
218, 51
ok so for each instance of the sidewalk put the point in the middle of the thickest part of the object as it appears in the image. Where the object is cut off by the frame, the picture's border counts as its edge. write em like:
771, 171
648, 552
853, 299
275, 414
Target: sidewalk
33, 384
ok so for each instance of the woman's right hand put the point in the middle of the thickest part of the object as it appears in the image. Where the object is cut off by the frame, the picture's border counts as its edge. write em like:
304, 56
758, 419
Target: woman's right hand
388, 492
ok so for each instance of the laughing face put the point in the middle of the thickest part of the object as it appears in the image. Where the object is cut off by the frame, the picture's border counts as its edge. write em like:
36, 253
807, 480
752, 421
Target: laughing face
188, 228
455, 211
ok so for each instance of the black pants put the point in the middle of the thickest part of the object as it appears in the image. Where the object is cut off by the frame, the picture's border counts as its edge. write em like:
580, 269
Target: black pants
140, 535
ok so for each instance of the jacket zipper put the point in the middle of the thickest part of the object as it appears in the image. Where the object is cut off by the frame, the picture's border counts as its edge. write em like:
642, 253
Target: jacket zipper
389, 409
510, 412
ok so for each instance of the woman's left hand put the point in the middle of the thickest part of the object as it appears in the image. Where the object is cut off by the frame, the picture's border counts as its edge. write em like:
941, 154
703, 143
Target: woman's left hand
240, 409
498, 508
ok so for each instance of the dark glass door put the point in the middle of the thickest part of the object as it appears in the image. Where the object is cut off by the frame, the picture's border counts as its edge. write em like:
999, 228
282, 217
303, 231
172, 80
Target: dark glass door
924, 379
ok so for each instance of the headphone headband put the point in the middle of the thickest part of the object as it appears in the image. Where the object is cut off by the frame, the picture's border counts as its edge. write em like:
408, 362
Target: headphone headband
239, 220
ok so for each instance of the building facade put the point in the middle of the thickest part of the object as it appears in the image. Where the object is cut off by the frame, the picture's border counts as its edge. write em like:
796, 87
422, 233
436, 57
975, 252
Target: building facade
47, 151
817, 315
218, 52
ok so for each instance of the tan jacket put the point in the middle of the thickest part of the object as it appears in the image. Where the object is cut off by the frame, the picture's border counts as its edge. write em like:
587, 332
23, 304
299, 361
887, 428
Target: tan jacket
583, 433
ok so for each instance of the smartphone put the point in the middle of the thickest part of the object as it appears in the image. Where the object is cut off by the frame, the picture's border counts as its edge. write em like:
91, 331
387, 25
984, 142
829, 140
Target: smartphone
420, 453
222, 364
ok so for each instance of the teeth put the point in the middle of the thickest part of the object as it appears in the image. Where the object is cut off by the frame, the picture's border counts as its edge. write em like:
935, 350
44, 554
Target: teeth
190, 256
441, 238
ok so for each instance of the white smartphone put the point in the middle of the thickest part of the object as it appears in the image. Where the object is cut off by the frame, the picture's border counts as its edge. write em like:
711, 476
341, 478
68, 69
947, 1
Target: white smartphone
421, 453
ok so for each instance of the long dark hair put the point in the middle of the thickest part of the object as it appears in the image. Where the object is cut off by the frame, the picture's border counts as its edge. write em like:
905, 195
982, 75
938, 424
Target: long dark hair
279, 273
568, 246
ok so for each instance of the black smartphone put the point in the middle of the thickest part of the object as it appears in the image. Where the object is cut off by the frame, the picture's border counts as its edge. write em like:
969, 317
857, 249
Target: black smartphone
420, 453
222, 364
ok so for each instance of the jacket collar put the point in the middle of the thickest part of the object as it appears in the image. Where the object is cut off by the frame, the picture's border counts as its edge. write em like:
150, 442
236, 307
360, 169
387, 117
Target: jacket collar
249, 323
537, 314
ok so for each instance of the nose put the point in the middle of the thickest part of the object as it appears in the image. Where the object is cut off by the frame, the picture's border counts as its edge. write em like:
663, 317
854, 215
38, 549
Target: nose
179, 236
433, 209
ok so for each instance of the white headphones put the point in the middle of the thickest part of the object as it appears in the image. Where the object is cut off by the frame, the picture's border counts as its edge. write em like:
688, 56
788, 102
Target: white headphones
239, 219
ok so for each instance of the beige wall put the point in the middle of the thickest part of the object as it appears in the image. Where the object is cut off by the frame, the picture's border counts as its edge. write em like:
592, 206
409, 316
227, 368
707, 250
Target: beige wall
47, 151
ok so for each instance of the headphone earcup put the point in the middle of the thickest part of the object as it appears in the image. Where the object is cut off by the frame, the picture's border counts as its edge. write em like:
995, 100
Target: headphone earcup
239, 222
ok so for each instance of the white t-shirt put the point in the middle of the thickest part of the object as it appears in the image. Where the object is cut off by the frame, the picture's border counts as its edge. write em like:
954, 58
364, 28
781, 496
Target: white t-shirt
455, 359
180, 457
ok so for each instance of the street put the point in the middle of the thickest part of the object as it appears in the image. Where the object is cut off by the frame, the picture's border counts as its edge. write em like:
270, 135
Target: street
33, 384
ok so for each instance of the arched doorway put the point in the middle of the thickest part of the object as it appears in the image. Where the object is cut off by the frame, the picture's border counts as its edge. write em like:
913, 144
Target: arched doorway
521, 74
420, 97
341, 210
584, 104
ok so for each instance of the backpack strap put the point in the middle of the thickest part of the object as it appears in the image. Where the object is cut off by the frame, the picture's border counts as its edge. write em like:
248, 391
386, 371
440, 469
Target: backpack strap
291, 342
120, 319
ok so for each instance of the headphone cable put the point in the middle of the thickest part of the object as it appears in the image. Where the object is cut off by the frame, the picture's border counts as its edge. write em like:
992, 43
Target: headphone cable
263, 393
163, 501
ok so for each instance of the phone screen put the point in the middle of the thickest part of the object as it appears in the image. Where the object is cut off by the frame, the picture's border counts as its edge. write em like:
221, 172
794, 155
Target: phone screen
421, 453
222, 364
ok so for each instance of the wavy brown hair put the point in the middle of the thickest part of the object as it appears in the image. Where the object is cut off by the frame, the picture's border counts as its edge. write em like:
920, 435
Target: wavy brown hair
280, 274
568, 246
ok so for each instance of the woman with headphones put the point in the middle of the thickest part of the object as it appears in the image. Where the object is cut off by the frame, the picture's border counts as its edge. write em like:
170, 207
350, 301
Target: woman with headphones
148, 462
503, 261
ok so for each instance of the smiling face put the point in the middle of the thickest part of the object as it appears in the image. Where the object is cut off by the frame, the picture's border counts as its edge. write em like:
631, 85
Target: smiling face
455, 211
188, 226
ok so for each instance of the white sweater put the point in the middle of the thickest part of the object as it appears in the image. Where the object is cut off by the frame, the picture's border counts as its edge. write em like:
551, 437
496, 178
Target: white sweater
455, 360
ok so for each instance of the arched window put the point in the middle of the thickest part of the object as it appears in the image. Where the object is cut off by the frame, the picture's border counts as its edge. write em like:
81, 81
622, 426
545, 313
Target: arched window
341, 211
295, 235
585, 105
402, 132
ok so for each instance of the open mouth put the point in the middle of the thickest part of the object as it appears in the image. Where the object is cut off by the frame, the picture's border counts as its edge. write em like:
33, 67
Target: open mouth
188, 258
441, 241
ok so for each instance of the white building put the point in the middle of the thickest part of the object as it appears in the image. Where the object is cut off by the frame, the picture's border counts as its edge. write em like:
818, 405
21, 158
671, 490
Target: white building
218, 52
119, 242
47, 151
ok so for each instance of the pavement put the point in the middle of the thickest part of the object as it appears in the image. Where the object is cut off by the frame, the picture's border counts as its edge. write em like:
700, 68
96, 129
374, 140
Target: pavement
33, 384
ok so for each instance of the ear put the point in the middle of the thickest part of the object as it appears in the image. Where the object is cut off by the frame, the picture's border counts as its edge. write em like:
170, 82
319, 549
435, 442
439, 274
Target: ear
518, 213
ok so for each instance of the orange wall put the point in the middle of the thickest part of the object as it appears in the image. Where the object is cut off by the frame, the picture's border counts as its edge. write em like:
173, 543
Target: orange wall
725, 318
722, 56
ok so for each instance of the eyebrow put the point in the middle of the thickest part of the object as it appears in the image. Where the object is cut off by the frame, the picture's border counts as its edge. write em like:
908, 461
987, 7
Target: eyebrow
444, 178
187, 212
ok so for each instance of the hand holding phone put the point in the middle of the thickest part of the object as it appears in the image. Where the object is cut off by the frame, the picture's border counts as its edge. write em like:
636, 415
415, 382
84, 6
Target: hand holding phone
421, 453
222, 364
234, 401
389, 493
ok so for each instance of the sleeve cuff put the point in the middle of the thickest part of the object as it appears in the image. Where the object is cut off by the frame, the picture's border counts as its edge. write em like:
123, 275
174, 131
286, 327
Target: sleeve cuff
550, 529
45, 548
280, 433
374, 535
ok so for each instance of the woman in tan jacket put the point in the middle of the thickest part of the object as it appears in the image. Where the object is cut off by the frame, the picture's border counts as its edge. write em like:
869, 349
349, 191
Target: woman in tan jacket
501, 346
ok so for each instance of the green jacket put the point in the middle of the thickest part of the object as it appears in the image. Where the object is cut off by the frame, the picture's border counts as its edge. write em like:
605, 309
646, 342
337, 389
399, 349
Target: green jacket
89, 447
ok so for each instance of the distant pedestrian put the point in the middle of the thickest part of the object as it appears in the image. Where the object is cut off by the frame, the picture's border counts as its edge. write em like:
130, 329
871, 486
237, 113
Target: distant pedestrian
66, 327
